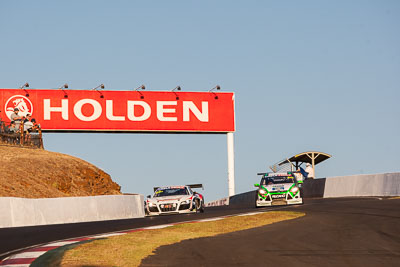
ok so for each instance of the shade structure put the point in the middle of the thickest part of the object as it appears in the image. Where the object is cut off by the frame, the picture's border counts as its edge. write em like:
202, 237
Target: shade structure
309, 157
312, 157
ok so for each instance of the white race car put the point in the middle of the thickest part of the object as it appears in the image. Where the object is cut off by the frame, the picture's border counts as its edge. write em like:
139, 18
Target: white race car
174, 199
279, 189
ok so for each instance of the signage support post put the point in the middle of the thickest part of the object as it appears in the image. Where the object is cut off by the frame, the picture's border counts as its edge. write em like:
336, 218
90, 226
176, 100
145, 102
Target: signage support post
231, 164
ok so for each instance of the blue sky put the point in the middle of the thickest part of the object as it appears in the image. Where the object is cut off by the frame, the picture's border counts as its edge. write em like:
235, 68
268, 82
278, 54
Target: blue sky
308, 75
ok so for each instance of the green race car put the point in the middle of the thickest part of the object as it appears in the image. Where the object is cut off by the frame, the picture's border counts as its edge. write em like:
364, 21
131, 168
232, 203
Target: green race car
279, 189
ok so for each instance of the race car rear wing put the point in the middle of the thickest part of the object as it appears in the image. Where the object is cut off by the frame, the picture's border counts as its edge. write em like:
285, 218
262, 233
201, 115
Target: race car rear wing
195, 186
278, 174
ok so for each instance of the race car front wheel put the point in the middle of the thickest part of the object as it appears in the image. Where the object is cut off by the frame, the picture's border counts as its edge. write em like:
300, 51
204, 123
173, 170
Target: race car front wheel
199, 207
255, 200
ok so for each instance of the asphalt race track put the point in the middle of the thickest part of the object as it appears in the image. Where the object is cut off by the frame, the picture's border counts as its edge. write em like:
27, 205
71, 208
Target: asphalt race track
334, 232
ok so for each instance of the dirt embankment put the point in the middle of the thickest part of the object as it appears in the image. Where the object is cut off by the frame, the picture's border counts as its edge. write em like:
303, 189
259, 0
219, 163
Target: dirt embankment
36, 173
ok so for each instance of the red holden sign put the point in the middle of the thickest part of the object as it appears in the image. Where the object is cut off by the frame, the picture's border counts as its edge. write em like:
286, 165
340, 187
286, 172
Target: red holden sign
122, 111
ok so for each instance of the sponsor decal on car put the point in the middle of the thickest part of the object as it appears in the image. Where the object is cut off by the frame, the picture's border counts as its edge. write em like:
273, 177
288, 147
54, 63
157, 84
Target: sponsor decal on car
279, 196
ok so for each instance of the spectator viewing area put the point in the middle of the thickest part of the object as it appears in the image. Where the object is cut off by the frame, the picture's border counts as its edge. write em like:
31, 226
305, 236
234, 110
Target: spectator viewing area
21, 130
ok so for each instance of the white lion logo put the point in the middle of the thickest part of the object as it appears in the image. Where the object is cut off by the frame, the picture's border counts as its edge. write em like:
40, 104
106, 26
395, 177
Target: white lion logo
21, 102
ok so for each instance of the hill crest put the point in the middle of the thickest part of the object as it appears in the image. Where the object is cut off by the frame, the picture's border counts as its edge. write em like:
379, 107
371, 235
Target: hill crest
37, 173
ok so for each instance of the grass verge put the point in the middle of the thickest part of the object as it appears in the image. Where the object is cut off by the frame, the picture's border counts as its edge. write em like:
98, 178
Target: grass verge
130, 249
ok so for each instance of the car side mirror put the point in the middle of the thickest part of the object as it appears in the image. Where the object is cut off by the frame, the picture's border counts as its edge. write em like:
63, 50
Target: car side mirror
148, 196
256, 185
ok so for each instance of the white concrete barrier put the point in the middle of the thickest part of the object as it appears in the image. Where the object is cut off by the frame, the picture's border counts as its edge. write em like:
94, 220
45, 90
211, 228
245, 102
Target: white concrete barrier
27, 212
365, 185
220, 202
385, 184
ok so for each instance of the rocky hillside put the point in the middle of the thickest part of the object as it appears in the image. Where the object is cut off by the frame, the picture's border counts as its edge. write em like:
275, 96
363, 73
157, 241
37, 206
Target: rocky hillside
36, 173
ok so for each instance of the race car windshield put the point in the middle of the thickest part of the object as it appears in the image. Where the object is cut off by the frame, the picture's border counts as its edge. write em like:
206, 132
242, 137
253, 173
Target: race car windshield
277, 180
170, 192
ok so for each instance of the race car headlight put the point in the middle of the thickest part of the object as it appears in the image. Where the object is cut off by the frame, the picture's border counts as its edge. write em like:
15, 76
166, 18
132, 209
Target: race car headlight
151, 204
262, 191
294, 190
